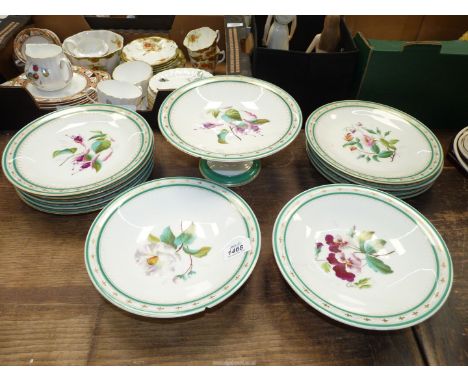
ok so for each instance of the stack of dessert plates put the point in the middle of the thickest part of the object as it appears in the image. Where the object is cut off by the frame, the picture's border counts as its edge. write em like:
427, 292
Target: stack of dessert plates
460, 148
78, 159
171, 79
172, 247
79, 91
373, 145
159, 52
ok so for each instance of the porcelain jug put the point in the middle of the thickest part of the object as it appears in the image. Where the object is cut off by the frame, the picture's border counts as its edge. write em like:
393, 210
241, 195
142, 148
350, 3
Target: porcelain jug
47, 67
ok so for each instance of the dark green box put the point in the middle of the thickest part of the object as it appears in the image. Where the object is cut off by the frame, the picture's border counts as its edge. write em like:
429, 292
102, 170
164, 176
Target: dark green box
428, 80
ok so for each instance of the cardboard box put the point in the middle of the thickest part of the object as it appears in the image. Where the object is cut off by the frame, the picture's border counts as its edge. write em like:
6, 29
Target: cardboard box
313, 79
428, 80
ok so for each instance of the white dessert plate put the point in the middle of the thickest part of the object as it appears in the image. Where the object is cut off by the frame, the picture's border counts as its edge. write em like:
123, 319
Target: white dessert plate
374, 142
78, 150
362, 257
175, 78
172, 247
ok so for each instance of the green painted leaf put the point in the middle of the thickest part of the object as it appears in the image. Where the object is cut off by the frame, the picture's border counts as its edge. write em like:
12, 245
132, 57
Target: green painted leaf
260, 121
394, 141
378, 244
384, 142
202, 252
71, 150
376, 158
375, 148
361, 156
350, 143
222, 136
358, 144
153, 239
378, 130
385, 154
97, 165
368, 159
233, 114
88, 157
215, 113
326, 267
99, 146
352, 231
378, 265
386, 133
186, 237
365, 280
370, 131
168, 237
365, 235
97, 136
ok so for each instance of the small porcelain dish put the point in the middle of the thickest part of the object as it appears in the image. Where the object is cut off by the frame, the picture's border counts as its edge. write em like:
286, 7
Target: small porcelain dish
230, 122
374, 145
107, 61
32, 36
362, 257
172, 247
152, 50
78, 159
171, 79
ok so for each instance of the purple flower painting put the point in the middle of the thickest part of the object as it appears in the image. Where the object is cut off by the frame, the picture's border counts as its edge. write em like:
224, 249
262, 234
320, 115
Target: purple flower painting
86, 154
350, 255
230, 123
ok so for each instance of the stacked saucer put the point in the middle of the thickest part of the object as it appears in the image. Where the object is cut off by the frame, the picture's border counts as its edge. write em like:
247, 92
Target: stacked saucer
78, 159
459, 149
161, 53
79, 91
373, 145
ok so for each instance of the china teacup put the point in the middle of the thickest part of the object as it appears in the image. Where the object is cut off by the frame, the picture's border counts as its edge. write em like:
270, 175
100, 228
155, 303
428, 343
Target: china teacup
208, 62
47, 67
119, 93
87, 47
137, 73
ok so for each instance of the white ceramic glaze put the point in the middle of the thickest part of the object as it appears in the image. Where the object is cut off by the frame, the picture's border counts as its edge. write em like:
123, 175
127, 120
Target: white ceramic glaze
76, 85
159, 249
152, 50
230, 118
47, 67
32, 36
354, 253
87, 47
107, 62
374, 142
119, 93
175, 78
77, 151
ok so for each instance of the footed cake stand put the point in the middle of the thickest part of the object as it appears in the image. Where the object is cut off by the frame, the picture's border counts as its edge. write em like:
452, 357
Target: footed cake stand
230, 123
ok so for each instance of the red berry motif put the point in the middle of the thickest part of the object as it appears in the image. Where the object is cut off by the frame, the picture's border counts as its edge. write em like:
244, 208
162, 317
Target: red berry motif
36, 76
35, 68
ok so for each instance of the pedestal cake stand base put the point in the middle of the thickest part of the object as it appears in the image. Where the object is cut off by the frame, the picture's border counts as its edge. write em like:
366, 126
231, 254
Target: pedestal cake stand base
230, 174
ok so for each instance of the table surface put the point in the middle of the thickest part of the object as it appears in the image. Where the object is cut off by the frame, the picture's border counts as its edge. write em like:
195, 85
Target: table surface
50, 312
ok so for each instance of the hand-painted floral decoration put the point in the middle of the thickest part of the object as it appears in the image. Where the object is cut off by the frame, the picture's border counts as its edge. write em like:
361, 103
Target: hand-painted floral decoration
371, 144
88, 154
168, 253
231, 123
351, 254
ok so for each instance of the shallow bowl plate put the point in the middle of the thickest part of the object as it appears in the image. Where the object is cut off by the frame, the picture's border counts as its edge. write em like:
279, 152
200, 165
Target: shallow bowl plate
162, 248
362, 257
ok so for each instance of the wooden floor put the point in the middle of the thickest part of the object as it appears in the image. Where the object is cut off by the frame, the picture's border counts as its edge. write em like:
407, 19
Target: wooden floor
51, 314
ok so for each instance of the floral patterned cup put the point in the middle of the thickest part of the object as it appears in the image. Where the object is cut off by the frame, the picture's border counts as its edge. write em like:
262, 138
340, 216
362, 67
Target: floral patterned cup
47, 67
208, 62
